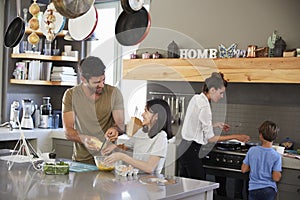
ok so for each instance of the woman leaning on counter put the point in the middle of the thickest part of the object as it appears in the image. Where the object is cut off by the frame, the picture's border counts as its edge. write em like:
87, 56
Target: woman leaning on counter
149, 144
197, 129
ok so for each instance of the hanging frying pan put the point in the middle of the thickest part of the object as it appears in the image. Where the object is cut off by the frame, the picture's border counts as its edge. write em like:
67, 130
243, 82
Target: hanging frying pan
72, 8
132, 28
82, 27
131, 6
15, 30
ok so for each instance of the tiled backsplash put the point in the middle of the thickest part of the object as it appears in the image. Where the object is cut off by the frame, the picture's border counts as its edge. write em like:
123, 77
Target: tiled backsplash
247, 118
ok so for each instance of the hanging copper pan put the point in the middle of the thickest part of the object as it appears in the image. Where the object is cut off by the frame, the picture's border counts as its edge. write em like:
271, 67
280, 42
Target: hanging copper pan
132, 28
72, 8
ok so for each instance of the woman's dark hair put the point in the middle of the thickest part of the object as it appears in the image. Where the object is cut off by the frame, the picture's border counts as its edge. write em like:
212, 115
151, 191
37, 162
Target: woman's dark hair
269, 130
162, 109
91, 66
216, 80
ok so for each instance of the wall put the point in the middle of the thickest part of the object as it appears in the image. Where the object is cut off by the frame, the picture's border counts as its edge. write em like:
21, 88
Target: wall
207, 24
1, 50
215, 22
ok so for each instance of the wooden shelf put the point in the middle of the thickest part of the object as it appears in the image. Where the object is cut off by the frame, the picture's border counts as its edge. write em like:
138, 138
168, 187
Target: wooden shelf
44, 57
40, 82
243, 70
39, 32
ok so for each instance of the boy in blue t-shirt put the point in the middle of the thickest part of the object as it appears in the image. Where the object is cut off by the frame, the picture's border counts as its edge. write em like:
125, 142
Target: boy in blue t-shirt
264, 164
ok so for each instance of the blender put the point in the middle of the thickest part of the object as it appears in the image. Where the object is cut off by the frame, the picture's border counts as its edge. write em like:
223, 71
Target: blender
28, 109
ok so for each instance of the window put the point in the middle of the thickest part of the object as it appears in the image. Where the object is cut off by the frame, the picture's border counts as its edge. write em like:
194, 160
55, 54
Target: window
105, 47
108, 49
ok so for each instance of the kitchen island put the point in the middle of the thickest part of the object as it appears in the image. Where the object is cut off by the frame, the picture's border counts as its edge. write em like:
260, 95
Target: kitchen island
24, 182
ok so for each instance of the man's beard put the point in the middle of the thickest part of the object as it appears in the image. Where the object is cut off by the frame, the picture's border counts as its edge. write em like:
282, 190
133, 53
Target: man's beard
95, 90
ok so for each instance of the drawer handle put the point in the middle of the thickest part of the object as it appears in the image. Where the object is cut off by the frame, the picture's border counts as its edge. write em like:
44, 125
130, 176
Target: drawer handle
298, 190
299, 177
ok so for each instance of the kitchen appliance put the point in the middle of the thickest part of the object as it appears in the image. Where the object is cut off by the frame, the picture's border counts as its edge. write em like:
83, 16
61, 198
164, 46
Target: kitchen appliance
46, 114
14, 114
223, 162
28, 109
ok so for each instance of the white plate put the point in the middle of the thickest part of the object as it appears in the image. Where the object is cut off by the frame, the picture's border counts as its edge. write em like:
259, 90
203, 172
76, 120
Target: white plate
82, 27
59, 23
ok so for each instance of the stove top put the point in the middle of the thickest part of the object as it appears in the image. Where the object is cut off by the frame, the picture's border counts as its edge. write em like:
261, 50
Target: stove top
225, 158
241, 152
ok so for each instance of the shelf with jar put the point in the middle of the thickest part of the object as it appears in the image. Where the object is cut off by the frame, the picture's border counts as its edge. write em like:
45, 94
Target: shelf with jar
239, 70
43, 72
41, 82
37, 56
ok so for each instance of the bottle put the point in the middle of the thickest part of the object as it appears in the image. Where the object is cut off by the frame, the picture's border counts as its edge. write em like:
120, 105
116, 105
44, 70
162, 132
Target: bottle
36, 117
46, 114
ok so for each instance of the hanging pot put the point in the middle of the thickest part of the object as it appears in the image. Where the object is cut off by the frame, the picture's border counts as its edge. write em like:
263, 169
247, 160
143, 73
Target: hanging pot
83, 27
131, 6
15, 30
72, 8
132, 28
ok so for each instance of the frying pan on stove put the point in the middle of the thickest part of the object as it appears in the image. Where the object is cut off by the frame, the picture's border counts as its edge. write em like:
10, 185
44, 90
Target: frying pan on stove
132, 28
228, 145
248, 145
15, 30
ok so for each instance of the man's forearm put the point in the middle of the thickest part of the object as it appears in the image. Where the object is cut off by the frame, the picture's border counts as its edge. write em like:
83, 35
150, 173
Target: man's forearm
72, 135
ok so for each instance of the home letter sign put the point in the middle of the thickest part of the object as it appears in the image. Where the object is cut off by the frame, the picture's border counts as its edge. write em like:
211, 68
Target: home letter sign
198, 53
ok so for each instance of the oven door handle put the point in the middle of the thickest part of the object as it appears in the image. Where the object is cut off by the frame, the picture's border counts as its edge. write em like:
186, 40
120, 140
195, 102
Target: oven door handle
222, 168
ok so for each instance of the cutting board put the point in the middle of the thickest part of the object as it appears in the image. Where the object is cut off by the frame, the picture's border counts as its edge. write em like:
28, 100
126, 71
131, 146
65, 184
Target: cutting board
81, 167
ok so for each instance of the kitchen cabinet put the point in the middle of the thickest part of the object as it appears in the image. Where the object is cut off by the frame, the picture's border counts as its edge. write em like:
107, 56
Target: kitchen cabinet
289, 185
63, 148
240, 70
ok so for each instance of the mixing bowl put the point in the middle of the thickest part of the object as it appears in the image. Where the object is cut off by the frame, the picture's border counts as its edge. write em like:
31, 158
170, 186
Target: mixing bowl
99, 160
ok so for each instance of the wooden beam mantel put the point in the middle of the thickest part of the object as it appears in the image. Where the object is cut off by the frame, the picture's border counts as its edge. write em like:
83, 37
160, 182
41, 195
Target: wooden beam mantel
244, 70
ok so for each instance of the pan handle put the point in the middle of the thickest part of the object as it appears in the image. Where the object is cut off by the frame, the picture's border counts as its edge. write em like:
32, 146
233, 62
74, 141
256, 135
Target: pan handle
18, 4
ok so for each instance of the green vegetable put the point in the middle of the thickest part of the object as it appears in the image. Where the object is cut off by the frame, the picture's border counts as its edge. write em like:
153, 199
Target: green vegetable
56, 168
